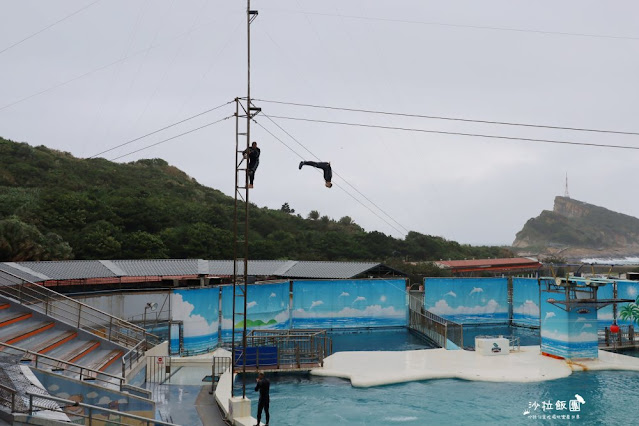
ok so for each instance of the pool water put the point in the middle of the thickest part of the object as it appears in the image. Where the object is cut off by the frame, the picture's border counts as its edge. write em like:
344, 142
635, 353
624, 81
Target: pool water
303, 399
310, 400
398, 339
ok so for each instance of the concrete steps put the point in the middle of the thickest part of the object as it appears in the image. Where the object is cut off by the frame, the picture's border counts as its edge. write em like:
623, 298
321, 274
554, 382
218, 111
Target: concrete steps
29, 330
39, 334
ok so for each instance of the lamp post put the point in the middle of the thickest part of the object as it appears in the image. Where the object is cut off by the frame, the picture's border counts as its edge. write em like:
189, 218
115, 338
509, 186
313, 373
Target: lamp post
149, 305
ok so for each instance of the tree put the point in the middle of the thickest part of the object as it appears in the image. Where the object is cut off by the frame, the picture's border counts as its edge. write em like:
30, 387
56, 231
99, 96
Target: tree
287, 209
19, 241
346, 220
142, 245
314, 215
99, 240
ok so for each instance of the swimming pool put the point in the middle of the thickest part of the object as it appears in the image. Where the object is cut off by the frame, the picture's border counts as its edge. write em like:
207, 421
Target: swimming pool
312, 400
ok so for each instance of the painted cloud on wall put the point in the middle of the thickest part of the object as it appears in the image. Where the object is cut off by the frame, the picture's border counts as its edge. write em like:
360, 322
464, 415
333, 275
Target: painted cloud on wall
372, 310
529, 308
491, 307
194, 325
563, 337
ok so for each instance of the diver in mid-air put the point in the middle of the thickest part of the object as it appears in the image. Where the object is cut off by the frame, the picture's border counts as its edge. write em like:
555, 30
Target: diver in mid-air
326, 167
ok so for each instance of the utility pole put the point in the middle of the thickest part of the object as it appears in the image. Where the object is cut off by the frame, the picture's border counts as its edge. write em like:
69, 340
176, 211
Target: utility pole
566, 193
241, 217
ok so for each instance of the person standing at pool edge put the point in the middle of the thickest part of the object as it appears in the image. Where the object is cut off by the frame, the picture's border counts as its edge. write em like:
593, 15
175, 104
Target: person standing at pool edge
253, 156
326, 167
263, 386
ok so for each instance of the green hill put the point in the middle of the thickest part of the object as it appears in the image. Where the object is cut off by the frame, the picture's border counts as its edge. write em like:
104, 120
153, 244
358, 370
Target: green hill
56, 206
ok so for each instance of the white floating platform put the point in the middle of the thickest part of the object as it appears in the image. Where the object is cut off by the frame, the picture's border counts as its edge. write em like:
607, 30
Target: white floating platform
374, 368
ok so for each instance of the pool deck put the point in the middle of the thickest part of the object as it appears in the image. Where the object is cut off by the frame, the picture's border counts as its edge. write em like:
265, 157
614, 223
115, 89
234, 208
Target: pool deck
375, 368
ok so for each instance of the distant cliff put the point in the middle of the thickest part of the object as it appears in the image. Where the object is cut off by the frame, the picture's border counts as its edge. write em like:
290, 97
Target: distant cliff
576, 229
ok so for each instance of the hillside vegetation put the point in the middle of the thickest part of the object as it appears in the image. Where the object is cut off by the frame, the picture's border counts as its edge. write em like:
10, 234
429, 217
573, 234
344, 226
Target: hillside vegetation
581, 228
56, 206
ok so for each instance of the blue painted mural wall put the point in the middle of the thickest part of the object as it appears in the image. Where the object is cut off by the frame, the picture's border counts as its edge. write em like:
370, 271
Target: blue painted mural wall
526, 302
567, 334
198, 308
349, 303
315, 304
626, 315
267, 308
468, 300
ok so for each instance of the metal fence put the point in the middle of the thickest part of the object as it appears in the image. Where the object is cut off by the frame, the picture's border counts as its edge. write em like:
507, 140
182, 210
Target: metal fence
220, 366
72, 370
624, 338
90, 414
76, 314
295, 348
70, 311
158, 369
436, 328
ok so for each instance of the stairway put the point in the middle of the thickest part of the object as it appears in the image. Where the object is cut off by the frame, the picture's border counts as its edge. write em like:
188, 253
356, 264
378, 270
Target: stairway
39, 334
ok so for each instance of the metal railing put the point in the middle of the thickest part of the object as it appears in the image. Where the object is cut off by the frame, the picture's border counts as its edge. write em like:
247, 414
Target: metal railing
130, 359
92, 413
624, 338
436, 328
294, 347
158, 369
8, 397
72, 312
221, 364
44, 362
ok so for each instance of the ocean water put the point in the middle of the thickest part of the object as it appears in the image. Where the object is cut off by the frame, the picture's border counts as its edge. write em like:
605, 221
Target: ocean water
478, 318
308, 400
569, 349
526, 320
329, 323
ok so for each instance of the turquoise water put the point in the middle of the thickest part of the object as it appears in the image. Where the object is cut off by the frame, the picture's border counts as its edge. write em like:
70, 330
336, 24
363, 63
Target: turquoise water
302, 399
310, 400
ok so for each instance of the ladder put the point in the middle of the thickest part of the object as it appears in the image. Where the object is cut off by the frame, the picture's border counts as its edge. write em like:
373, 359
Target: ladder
244, 113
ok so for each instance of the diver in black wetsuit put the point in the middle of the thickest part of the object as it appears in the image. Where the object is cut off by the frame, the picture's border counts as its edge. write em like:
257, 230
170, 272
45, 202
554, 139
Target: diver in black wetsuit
328, 172
263, 385
253, 155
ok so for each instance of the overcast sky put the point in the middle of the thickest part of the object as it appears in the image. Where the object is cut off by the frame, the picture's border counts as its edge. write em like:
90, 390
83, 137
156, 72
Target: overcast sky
119, 69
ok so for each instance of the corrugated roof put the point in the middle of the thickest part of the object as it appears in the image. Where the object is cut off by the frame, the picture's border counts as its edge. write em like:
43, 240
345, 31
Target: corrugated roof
69, 269
154, 267
9, 278
79, 269
320, 269
255, 267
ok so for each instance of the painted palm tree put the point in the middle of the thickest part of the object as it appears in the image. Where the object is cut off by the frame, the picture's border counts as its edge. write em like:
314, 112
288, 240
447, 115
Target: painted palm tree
630, 312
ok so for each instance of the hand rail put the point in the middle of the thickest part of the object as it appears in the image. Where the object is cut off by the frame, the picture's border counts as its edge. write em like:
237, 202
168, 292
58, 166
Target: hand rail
437, 328
55, 363
92, 408
73, 312
12, 392
138, 350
